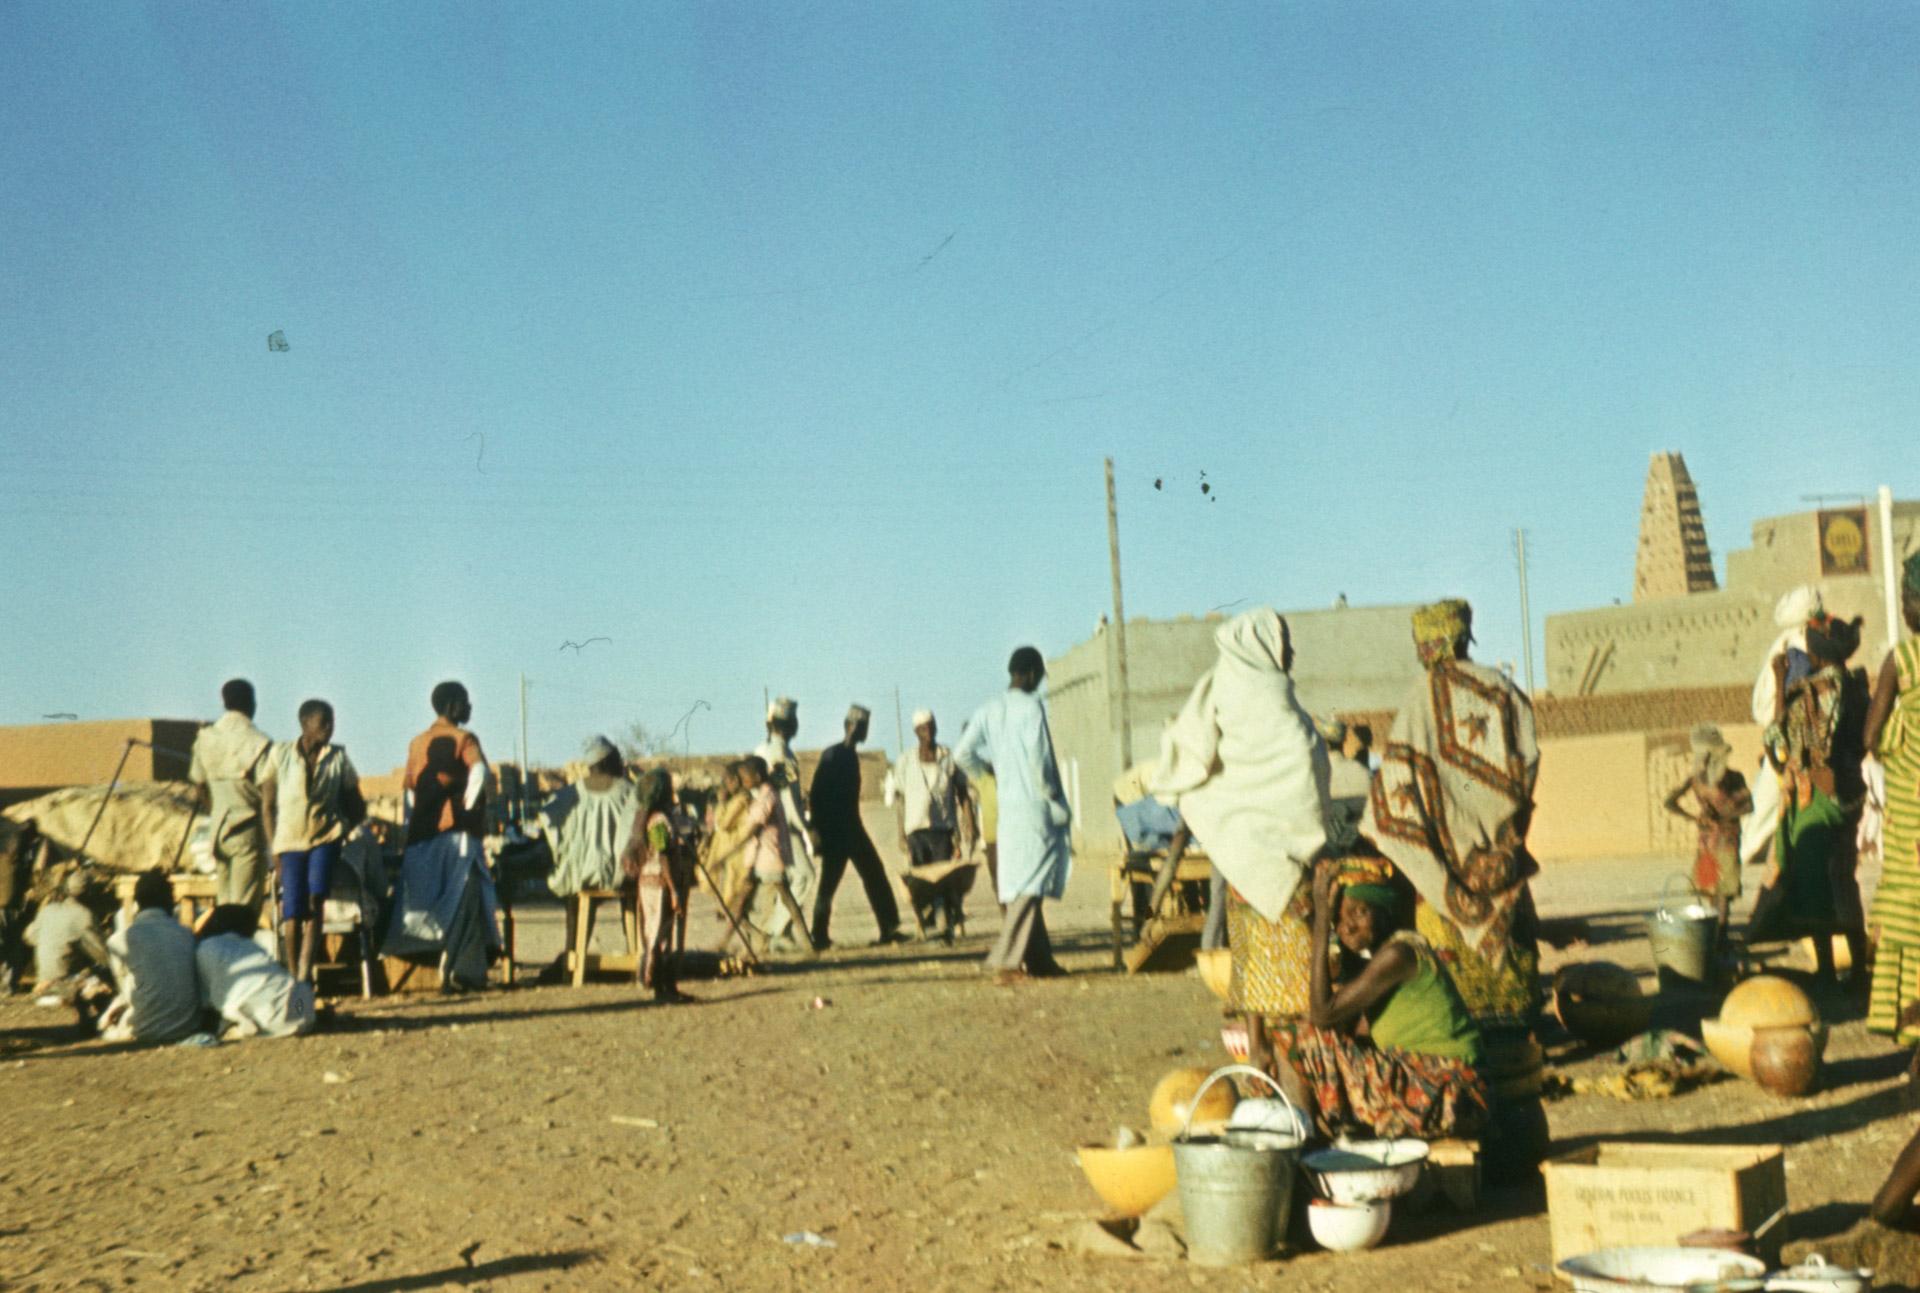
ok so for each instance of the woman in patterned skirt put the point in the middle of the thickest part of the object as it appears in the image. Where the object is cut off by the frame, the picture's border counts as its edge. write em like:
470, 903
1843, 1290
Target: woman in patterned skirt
1388, 1049
1893, 731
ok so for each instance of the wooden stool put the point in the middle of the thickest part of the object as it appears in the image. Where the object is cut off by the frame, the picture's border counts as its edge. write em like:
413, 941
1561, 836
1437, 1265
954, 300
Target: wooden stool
577, 955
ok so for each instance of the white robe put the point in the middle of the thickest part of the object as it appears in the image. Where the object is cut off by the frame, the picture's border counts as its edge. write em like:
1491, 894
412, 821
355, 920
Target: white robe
1246, 767
1008, 738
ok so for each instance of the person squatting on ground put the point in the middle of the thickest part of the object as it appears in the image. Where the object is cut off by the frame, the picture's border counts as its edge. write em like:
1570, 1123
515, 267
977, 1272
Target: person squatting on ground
1248, 772
70, 957
445, 902
253, 995
587, 826
1413, 1072
783, 774
1815, 744
153, 966
312, 799
834, 799
936, 825
649, 866
229, 767
765, 843
1008, 738
1720, 800
1893, 734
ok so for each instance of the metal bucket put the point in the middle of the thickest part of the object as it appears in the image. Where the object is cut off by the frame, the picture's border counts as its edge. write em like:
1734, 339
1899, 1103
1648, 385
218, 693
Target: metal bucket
1236, 1190
1682, 939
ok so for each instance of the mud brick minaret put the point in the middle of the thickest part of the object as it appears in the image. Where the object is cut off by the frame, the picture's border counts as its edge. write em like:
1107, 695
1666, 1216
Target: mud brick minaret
1673, 559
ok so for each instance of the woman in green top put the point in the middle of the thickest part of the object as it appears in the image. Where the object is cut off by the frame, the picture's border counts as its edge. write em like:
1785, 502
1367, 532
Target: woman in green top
1388, 1048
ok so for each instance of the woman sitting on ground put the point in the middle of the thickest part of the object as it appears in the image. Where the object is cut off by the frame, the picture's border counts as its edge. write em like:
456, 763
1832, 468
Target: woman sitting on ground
1413, 1072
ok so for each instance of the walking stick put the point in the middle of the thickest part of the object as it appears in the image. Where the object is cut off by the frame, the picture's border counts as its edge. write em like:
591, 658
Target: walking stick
727, 911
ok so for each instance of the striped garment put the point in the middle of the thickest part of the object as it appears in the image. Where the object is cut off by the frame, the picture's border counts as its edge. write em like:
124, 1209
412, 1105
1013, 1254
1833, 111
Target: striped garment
1896, 906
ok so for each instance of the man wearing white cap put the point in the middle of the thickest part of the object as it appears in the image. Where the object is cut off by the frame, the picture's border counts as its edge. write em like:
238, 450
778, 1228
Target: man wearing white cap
783, 774
835, 796
933, 791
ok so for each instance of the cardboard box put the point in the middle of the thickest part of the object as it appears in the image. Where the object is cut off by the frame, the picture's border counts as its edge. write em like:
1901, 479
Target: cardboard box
1625, 1194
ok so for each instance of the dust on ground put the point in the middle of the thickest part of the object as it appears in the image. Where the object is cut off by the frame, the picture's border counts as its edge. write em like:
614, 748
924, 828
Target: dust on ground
921, 1120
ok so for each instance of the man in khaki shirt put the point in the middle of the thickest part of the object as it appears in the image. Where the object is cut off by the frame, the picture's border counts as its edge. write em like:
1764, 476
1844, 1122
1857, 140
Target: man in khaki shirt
229, 766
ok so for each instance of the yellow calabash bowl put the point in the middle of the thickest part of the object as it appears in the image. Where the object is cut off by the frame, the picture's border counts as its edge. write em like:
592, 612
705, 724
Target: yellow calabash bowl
1216, 969
1130, 1181
1174, 1093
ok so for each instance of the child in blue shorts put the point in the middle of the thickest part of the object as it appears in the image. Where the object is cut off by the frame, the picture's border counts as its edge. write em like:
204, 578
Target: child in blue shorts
312, 799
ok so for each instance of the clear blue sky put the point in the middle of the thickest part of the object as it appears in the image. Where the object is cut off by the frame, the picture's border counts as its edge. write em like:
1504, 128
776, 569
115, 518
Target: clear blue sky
781, 344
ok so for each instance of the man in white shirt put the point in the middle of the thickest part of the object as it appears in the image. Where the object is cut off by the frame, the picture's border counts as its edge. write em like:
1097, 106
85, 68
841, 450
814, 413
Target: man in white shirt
153, 966
935, 814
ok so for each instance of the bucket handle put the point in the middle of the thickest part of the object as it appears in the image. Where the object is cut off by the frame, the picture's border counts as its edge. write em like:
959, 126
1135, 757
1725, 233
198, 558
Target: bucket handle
1666, 889
1186, 1126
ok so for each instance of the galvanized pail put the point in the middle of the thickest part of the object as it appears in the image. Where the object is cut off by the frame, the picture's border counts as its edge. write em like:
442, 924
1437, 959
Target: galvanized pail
1682, 938
1236, 1190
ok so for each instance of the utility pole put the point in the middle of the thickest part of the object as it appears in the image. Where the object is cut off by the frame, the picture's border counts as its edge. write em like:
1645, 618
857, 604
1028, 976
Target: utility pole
1889, 577
526, 762
1124, 701
899, 728
1526, 614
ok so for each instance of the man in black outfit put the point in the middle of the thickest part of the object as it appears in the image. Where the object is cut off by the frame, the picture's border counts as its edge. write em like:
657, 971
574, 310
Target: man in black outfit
834, 804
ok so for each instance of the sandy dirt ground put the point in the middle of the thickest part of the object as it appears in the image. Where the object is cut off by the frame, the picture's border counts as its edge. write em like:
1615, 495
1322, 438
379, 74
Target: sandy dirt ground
920, 1120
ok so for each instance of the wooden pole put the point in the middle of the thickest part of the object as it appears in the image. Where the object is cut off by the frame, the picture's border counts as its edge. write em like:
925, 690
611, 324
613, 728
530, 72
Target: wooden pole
1526, 615
526, 758
1889, 576
1123, 701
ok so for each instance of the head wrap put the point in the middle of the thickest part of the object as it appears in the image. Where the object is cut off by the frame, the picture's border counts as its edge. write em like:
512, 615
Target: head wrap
781, 709
1910, 578
76, 883
858, 713
1257, 638
1332, 729
598, 750
1831, 639
1370, 879
653, 786
921, 717
1796, 607
1439, 629
1710, 751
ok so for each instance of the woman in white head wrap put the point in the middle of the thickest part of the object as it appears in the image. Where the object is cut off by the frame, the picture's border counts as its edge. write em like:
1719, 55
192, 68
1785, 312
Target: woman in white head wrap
1790, 615
1248, 773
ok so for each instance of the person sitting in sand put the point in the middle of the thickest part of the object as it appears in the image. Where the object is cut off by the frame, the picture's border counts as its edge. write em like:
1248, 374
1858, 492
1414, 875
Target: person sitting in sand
253, 994
1413, 1071
153, 964
70, 957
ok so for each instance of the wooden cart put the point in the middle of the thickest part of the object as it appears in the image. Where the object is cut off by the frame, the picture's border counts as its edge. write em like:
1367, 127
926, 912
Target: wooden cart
1169, 934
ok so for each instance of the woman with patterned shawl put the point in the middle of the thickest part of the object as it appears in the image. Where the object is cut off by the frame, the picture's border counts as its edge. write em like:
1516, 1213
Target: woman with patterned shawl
1816, 744
1449, 808
1893, 731
1247, 772
1413, 1072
